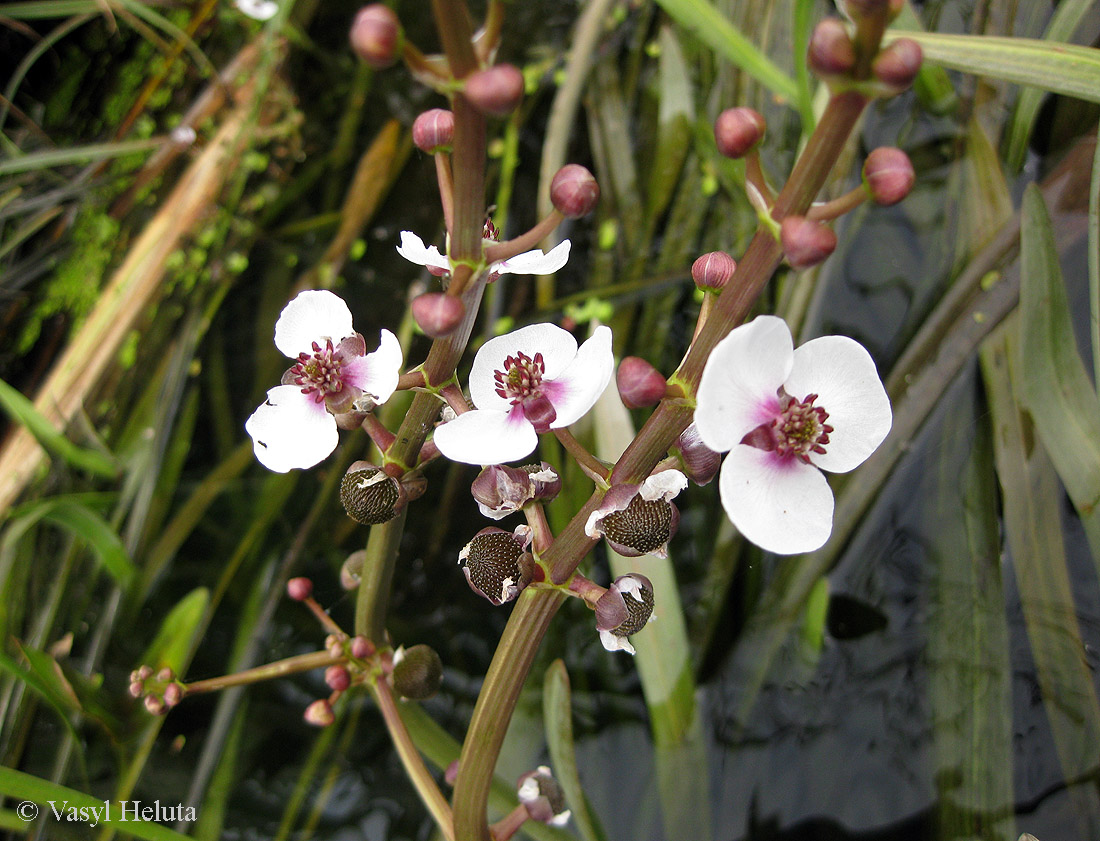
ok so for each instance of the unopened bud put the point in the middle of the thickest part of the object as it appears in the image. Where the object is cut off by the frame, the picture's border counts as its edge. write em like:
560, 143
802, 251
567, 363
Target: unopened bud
417, 673
543, 796
154, 705
437, 313
640, 384
713, 270
173, 694
496, 91
491, 563
369, 495
434, 131
888, 175
337, 677
738, 130
700, 462
831, 52
574, 191
805, 242
376, 35
299, 589
319, 713
897, 65
361, 648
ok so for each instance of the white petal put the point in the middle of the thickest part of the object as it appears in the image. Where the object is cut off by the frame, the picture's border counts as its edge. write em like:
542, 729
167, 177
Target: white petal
486, 437
291, 430
315, 315
535, 262
378, 371
412, 248
613, 642
782, 505
664, 485
579, 386
557, 346
258, 9
843, 375
737, 391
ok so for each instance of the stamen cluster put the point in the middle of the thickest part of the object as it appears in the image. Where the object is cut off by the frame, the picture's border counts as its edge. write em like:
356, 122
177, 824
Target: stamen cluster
801, 428
521, 377
319, 373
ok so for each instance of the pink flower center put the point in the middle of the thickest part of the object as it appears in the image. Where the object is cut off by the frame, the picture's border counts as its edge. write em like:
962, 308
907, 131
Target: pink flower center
521, 382
798, 430
319, 373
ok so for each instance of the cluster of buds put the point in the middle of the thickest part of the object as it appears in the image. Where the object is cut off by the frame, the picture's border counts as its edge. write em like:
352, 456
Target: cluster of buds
160, 691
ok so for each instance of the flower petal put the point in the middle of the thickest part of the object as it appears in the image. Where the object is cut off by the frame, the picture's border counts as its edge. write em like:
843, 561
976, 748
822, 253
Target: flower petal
557, 346
313, 316
613, 642
486, 437
535, 262
378, 371
782, 505
291, 430
843, 375
664, 485
412, 248
738, 389
258, 9
576, 389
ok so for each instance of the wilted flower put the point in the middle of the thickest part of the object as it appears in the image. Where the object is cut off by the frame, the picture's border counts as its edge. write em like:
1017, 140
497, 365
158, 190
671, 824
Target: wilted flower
524, 383
295, 426
412, 248
624, 610
639, 519
782, 414
543, 797
501, 490
493, 563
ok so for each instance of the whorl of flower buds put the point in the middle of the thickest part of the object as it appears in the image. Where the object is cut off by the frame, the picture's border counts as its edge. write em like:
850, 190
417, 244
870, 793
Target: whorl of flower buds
738, 130
492, 563
417, 672
299, 589
437, 313
806, 242
376, 35
496, 91
897, 65
434, 131
543, 796
713, 270
159, 692
888, 175
831, 52
699, 461
574, 191
369, 495
319, 713
639, 383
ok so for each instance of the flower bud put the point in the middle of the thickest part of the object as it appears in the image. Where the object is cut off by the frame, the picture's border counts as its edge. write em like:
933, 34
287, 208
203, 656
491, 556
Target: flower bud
154, 705
640, 384
437, 313
299, 589
700, 462
376, 35
831, 52
361, 648
417, 672
337, 677
434, 131
543, 796
496, 91
639, 519
624, 610
173, 694
319, 713
713, 270
738, 130
369, 495
888, 175
491, 563
805, 242
574, 191
897, 65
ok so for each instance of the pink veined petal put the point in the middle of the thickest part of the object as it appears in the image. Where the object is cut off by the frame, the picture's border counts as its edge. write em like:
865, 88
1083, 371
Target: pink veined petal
412, 248
578, 387
378, 371
291, 430
313, 316
841, 372
486, 437
535, 262
557, 346
738, 389
782, 505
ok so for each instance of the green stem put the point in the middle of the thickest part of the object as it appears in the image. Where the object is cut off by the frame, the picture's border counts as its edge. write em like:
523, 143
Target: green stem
269, 671
377, 576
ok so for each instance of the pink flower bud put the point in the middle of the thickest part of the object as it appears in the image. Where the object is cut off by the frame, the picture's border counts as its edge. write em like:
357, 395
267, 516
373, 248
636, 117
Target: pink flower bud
337, 677
898, 64
640, 384
805, 242
738, 130
888, 175
154, 705
831, 52
319, 714
376, 35
361, 648
496, 91
574, 191
173, 694
713, 270
437, 313
700, 462
137, 689
299, 589
434, 131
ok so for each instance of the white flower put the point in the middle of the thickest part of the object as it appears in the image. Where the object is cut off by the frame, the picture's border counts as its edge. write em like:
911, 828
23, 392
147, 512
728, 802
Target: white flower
782, 414
412, 248
295, 426
258, 9
526, 382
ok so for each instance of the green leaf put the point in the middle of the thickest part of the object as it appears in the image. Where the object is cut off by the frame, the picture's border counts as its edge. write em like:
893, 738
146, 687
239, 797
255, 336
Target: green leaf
77, 154
22, 411
1063, 68
172, 645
